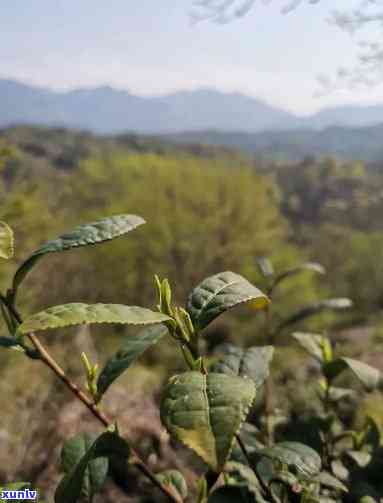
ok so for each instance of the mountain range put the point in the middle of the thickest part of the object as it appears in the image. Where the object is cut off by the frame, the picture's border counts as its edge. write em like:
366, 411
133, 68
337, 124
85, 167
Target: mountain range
106, 110
347, 143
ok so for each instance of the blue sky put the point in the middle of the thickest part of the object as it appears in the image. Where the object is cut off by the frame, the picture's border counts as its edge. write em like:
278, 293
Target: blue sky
150, 47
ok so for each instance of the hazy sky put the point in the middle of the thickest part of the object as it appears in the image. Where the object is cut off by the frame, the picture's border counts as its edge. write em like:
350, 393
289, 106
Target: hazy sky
150, 47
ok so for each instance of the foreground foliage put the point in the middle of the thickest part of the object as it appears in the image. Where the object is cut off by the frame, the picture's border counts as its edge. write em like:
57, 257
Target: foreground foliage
206, 407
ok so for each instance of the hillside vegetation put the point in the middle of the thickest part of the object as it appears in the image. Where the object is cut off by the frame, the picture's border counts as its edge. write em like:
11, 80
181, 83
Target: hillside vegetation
207, 210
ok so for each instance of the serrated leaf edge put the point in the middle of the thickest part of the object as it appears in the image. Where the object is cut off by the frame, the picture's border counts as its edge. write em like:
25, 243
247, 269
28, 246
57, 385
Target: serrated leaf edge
218, 468
90, 322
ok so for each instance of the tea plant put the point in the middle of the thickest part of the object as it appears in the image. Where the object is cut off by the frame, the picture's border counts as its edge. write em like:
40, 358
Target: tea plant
206, 406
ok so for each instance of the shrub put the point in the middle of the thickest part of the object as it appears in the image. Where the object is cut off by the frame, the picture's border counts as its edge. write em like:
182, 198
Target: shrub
313, 458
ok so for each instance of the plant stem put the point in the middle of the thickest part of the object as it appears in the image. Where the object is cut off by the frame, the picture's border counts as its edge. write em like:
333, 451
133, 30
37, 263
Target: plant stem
327, 434
268, 384
248, 459
49, 361
243, 449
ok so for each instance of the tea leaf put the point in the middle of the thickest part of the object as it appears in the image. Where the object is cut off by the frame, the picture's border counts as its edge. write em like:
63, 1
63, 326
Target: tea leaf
205, 412
307, 266
305, 460
312, 309
8, 342
370, 377
95, 473
328, 480
83, 235
252, 362
176, 481
76, 313
83, 475
243, 476
6, 241
221, 292
311, 343
133, 347
265, 266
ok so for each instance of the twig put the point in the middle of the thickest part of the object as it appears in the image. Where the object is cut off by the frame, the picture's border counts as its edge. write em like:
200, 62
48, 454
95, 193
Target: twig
268, 384
46, 358
243, 449
248, 459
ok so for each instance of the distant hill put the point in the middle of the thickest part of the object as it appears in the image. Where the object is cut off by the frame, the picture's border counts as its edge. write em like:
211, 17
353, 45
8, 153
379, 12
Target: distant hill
107, 110
364, 143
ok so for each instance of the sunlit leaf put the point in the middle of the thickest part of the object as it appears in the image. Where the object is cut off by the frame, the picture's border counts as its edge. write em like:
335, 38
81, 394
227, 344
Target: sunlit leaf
311, 343
175, 481
306, 462
336, 393
328, 480
205, 412
221, 292
370, 377
6, 241
307, 266
83, 235
76, 313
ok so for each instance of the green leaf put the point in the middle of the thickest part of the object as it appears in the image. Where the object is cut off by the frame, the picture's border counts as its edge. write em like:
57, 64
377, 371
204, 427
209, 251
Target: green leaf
133, 348
361, 458
6, 241
336, 393
202, 490
205, 412
242, 475
307, 266
328, 480
265, 266
220, 292
370, 435
370, 377
95, 472
77, 313
311, 343
253, 362
8, 342
312, 309
175, 481
305, 461
249, 435
83, 235
83, 475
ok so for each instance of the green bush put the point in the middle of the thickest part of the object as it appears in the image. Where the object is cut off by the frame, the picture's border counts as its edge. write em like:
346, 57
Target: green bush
310, 458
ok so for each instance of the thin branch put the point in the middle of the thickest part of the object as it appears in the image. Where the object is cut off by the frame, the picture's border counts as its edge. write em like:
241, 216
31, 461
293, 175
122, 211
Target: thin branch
249, 462
46, 358
243, 449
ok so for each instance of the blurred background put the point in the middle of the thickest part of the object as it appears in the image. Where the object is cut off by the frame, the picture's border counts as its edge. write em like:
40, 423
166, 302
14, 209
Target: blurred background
237, 132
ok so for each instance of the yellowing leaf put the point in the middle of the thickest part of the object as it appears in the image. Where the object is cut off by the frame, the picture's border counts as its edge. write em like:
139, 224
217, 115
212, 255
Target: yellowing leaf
205, 412
6, 241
